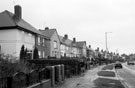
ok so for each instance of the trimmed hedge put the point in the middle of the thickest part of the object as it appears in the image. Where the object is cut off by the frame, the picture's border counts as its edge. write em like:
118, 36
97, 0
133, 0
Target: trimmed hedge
72, 66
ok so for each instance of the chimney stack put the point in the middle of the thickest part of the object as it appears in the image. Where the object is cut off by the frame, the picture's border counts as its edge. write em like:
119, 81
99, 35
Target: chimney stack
46, 28
89, 46
66, 36
74, 39
97, 48
18, 12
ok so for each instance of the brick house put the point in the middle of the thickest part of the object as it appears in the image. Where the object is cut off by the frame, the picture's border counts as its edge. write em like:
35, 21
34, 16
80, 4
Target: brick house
69, 48
53, 46
83, 48
41, 44
65, 46
75, 49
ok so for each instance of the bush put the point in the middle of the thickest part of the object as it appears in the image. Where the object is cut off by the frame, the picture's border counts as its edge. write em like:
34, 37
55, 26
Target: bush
35, 54
8, 68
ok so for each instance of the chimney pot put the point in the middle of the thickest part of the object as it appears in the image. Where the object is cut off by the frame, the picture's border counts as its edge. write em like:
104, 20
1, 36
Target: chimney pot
18, 12
66, 36
46, 28
74, 39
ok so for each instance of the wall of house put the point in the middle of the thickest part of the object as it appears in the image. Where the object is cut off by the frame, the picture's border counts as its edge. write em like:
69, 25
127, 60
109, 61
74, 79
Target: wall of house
67, 51
74, 52
55, 51
26, 39
84, 51
41, 44
12, 40
62, 49
8, 39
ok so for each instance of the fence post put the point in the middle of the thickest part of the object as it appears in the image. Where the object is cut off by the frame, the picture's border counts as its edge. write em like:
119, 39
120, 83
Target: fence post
27, 80
52, 74
9, 82
62, 72
57, 74
39, 76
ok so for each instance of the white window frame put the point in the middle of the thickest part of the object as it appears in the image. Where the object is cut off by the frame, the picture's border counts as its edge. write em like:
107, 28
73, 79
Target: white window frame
43, 54
39, 53
55, 45
43, 42
39, 40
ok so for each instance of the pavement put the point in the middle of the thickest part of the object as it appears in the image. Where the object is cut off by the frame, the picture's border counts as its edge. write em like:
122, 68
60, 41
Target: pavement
84, 81
89, 78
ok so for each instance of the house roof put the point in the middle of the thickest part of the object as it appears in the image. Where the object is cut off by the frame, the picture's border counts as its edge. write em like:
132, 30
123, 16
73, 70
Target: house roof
81, 43
49, 33
65, 41
7, 19
68, 42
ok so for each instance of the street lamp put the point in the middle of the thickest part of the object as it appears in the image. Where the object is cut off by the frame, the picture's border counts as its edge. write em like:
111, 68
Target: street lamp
106, 42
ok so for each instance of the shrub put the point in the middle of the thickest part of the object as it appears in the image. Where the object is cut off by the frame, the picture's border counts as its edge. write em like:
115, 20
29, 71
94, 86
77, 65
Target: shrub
8, 68
35, 54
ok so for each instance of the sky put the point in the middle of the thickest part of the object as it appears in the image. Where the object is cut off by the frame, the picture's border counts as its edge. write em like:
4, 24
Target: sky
86, 20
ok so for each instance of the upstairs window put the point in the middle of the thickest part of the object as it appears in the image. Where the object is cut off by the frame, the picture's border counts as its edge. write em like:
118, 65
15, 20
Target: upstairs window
38, 40
0, 49
55, 45
43, 42
39, 53
43, 54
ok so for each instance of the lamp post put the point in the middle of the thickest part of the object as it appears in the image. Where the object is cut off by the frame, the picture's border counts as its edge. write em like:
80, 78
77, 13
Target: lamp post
106, 43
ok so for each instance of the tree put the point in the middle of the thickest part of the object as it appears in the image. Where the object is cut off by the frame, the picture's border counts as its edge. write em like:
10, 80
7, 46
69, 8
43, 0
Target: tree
22, 53
35, 54
26, 54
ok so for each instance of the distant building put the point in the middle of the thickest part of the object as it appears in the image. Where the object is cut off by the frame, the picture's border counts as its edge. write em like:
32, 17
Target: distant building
65, 46
72, 48
90, 52
83, 48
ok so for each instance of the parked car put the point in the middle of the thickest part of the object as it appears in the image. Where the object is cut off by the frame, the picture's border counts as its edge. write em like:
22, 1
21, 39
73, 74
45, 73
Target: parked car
130, 63
118, 66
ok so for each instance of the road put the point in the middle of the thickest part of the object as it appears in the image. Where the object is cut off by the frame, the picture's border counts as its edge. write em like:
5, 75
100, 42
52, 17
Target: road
85, 81
92, 79
127, 75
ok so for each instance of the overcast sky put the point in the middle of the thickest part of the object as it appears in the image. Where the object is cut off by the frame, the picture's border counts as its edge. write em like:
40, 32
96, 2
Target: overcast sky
86, 20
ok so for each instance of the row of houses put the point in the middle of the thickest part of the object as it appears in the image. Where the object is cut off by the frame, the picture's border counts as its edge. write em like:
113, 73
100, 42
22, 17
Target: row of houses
15, 32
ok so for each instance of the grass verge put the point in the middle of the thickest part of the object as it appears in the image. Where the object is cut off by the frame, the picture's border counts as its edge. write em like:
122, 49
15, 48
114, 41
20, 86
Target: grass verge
108, 67
106, 73
107, 83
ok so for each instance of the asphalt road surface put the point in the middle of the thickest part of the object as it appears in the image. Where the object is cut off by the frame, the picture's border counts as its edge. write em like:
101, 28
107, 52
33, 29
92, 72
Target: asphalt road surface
127, 76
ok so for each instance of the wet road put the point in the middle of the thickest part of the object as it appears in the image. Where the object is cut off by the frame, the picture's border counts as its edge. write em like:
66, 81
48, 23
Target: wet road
127, 76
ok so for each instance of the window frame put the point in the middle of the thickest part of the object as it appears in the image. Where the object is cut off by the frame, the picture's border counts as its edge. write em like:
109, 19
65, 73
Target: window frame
55, 44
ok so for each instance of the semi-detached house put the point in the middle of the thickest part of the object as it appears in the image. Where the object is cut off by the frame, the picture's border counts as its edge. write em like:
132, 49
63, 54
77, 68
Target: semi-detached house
53, 46
82, 47
65, 46
72, 48
15, 32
